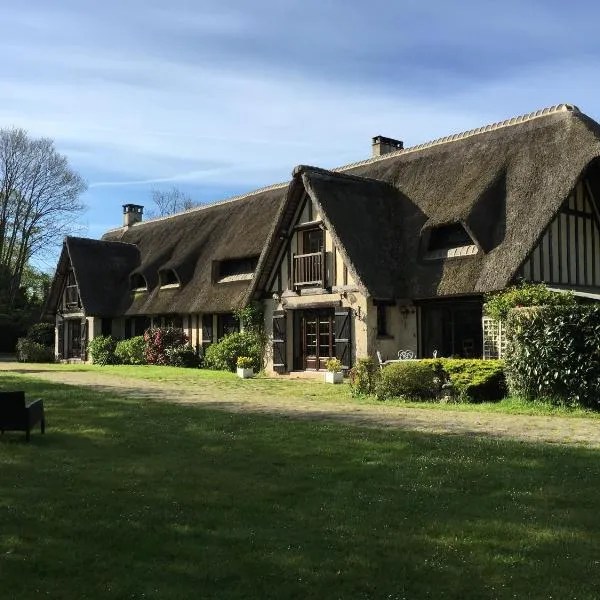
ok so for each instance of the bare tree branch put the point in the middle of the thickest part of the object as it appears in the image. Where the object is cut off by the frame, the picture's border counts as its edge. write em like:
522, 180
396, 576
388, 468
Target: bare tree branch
169, 202
39, 200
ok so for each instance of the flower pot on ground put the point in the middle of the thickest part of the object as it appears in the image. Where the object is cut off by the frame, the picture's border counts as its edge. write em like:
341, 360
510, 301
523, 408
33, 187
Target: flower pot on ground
245, 373
245, 367
334, 377
334, 373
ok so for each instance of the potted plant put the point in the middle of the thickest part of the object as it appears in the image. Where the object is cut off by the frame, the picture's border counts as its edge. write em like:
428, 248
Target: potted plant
245, 368
334, 372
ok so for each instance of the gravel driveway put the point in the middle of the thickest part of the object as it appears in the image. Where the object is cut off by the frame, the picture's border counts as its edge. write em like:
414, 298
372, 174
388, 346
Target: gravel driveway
553, 430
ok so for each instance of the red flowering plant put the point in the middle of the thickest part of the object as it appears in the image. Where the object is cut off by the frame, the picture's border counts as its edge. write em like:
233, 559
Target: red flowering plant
160, 342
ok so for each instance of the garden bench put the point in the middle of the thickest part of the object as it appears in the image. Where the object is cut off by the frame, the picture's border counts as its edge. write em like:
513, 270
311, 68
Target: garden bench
16, 415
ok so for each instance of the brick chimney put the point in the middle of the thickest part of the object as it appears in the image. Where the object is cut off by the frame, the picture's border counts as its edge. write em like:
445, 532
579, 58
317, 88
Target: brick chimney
383, 145
132, 213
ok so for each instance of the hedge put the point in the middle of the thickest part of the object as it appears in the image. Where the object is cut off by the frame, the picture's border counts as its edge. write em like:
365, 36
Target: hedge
554, 354
459, 380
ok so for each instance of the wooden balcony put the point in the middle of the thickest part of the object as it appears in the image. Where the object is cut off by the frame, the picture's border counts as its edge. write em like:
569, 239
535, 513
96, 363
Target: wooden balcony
309, 269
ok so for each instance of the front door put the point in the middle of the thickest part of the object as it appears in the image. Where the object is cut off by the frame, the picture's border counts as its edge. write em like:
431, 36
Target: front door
317, 338
73, 338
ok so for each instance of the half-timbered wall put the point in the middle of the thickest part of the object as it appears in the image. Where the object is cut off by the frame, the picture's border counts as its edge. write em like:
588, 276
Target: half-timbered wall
336, 272
569, 251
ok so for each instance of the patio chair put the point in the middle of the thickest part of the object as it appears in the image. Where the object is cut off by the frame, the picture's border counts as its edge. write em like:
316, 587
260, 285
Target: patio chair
16, 415
383, 363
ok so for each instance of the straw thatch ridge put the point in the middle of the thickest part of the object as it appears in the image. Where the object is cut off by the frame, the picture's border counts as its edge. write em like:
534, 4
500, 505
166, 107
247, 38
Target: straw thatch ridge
206, 206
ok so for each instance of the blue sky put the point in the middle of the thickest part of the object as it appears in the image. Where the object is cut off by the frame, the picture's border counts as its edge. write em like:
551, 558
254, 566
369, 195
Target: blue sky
219, 98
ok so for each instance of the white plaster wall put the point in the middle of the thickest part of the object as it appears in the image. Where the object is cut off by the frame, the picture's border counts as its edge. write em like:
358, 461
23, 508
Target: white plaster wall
402, 330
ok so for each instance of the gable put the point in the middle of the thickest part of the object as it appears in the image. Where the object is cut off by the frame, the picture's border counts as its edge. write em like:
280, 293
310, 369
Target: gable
568, 252
307, 257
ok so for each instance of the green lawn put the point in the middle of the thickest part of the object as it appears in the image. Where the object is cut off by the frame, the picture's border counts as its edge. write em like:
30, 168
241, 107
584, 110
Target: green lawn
302, 389
127, 498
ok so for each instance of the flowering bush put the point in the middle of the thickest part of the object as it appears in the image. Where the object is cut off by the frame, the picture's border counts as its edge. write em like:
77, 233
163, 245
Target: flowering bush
245, 362
160, 342
333, 365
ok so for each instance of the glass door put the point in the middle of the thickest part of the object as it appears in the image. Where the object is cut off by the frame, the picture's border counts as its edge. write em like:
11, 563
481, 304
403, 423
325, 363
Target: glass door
317, 338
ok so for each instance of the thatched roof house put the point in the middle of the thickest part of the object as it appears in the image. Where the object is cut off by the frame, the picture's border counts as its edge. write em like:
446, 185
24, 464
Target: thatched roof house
442, 222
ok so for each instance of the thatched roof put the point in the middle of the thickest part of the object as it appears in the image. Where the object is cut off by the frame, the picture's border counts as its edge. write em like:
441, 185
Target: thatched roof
504, 183
192, 243
101, 270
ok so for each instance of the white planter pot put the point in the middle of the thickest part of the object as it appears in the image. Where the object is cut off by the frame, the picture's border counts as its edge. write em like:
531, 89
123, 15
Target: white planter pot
245, 373
331, 377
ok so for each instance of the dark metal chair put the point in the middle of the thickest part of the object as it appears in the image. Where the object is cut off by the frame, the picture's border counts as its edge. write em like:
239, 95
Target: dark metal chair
16, 415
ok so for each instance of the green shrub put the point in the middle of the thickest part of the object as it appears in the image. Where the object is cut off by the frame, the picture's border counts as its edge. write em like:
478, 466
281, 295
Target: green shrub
553, 354
224, 354
131, 351
411, 379
499, 304
102, 350
182, 356
34, 352
364, 376
475, 380
42, 333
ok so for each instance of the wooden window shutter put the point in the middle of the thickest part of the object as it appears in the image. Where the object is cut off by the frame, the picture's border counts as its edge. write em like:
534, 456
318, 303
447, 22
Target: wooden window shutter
279, 341
84, 338
61, 339
343, 330
207, 331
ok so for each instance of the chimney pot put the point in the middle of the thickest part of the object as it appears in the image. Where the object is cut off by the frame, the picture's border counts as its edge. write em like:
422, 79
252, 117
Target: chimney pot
132, 213
384, 145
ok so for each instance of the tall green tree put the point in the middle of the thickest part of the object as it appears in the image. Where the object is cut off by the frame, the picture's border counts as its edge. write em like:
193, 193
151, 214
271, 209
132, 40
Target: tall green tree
39, 204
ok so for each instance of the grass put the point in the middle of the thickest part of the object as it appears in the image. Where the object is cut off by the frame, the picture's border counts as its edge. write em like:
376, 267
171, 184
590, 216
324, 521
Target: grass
126, 498
302, 389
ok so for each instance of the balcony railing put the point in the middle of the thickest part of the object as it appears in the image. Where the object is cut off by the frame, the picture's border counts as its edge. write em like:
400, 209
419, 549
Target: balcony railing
309, 269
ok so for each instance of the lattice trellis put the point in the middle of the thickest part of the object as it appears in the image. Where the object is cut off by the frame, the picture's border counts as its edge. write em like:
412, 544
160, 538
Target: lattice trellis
494, 338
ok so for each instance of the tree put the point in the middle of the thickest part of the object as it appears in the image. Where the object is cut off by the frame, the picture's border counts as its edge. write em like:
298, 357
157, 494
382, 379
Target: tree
39, 200
169, 202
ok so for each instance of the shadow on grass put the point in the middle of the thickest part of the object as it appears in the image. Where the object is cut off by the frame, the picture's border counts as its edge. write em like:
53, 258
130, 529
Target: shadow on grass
131, 498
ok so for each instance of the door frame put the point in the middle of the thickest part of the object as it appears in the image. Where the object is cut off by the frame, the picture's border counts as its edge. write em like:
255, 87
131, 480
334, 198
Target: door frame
301, 356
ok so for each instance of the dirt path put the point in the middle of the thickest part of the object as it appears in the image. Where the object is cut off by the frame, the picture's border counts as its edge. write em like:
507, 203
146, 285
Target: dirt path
554, 430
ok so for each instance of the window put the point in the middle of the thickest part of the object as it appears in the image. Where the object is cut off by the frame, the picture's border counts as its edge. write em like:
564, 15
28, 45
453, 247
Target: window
452, 329
168, 277
226, 324
138, 282
312, 241
236, 269
449, 236
382, 321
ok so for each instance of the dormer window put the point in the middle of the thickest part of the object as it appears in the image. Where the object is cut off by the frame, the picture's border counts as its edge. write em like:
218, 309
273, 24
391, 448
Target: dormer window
168, 278
138, 283
449, 241
236, 269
